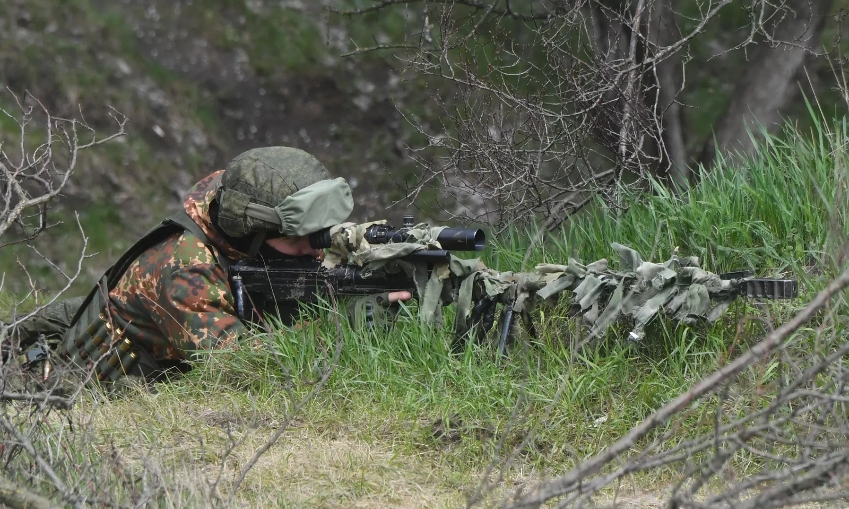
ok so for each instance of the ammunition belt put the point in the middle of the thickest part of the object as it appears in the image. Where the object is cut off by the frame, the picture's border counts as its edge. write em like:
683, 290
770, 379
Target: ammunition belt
112, 354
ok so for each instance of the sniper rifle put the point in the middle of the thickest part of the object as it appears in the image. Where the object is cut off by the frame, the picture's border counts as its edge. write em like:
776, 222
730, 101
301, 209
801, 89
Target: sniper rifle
374, 258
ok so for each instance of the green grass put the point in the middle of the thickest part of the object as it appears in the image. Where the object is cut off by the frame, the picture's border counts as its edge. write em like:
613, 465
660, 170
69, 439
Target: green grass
777, 211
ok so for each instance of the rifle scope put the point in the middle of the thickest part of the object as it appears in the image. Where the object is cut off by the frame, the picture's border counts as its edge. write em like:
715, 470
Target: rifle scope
456, 239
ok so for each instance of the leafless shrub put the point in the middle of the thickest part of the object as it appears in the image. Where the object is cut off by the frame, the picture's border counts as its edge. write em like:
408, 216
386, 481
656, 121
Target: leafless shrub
37, 448
50, 444
545, 103
34, 169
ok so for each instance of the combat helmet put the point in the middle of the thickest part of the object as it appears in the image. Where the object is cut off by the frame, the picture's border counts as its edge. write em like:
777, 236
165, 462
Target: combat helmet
279, 191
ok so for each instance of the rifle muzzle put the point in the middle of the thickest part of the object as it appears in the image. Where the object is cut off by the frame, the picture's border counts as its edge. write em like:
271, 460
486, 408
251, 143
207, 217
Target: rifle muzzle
462, 239
761, 288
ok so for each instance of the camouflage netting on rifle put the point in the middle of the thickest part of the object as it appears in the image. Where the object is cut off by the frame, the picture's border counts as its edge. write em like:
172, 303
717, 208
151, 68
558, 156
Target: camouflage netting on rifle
349, 245
601, 295
639, 290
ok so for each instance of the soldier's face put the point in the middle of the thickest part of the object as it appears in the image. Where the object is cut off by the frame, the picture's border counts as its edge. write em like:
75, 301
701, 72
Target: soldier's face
294, 246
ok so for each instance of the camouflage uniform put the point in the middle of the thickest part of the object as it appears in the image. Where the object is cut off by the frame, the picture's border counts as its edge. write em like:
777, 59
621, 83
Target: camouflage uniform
175, 298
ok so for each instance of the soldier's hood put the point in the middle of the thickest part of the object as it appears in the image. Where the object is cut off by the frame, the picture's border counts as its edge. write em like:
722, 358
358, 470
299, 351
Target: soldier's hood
197, 203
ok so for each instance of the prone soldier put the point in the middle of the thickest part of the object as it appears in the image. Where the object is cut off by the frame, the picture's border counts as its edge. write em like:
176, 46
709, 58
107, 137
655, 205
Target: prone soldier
169, 296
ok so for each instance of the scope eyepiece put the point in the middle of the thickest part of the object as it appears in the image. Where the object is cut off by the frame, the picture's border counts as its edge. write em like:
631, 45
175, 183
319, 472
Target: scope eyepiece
319, 239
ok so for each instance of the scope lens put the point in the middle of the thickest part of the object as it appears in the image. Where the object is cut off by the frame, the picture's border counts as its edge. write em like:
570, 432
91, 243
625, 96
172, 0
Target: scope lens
480, 240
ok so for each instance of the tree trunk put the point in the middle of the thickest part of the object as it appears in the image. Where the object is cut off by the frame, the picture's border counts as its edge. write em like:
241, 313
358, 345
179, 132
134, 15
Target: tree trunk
668, 78
768, 85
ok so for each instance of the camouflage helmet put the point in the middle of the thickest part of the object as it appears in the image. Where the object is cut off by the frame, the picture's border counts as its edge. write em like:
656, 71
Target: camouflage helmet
280, 189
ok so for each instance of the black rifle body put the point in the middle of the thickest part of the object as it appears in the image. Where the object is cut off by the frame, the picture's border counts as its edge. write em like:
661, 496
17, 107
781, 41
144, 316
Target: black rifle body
279, 285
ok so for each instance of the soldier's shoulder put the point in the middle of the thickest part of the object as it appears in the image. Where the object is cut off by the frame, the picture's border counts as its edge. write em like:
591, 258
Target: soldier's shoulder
193, 251
185, 250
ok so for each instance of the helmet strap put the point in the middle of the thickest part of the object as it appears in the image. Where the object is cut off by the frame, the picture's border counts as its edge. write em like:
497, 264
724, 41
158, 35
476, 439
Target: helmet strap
259, 238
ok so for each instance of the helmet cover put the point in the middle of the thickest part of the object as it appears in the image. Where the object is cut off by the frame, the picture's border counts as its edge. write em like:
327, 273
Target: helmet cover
264, 178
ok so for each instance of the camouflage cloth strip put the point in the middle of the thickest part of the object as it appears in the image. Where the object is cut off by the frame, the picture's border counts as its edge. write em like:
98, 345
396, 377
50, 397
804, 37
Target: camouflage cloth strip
349, 246
640, 290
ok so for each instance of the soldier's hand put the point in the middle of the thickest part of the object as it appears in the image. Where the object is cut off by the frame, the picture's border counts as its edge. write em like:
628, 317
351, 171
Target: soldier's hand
380, 309
399, 296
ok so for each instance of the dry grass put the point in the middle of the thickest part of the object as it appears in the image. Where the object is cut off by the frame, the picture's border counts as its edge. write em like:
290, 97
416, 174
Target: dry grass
189, 442
312, 466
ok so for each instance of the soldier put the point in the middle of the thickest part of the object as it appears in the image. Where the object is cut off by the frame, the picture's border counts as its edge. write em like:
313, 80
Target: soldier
169, 295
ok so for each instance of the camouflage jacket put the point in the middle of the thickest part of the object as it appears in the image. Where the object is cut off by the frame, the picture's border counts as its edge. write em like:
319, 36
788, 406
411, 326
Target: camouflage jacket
175, 298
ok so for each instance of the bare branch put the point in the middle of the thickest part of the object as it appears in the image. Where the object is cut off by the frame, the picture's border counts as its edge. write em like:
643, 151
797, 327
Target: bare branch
564, 92
17, 497
384, 4
40, 397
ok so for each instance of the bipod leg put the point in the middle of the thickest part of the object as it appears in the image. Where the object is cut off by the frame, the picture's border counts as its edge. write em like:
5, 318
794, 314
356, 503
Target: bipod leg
528, 320
504, 337
482, 319
485, 318
506, 324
